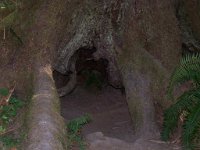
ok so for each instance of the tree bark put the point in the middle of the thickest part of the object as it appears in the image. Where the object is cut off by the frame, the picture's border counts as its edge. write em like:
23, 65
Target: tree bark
140, 39
142, 42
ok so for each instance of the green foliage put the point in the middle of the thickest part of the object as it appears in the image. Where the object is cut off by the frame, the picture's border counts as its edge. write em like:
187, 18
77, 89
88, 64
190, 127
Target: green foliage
188, 70
10, 111
4, 91
188, 103
9, 141
74, 130
7, 115
76, 124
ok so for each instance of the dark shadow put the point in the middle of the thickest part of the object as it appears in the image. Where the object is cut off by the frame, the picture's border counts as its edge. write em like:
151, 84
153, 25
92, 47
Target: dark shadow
91, 72
94, 96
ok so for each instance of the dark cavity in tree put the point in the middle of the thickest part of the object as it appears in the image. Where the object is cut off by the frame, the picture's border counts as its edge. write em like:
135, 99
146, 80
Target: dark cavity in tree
91, 71
60, 79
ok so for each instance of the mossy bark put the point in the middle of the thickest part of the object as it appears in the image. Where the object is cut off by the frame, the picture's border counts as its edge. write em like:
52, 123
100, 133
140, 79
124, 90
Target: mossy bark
46, 127
140, 39
142, 42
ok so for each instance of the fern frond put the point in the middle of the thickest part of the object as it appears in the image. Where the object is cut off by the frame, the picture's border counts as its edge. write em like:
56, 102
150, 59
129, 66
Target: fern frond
189, 69
186, 101
75, 124
191, 127
170, 122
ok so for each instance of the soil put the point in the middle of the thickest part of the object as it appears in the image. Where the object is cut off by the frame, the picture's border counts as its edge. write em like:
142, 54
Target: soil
111, 126
107, 107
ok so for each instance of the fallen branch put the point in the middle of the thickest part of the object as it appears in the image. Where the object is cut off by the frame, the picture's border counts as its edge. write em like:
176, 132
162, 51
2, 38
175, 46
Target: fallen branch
10, 130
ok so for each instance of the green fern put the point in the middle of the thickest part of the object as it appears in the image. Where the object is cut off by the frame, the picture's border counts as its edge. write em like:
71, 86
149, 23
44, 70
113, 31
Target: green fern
74, 128
190, 129
189, 69
189, 101
4, 91
76, 124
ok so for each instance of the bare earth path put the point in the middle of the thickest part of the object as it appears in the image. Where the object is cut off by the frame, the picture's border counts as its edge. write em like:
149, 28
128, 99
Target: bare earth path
111, 127
107, 107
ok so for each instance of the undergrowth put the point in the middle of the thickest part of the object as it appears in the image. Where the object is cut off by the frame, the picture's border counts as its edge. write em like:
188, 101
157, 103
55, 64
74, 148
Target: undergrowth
187, 105
74, 131
8, 112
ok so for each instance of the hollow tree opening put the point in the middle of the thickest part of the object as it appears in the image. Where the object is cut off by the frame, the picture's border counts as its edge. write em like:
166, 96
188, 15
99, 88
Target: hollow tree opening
60, 79
93, 95
91, 73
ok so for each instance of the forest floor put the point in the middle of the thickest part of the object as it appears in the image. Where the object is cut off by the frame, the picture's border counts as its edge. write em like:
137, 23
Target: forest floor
108, 110
111, 126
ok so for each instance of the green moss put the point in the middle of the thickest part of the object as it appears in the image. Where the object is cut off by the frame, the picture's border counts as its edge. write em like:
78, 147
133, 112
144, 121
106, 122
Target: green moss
135, 109
141, 62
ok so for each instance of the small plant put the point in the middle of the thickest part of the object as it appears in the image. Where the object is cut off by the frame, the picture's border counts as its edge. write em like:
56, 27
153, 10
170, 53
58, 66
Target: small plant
187, 105
8, 111
9, 141
4, 92
74, 130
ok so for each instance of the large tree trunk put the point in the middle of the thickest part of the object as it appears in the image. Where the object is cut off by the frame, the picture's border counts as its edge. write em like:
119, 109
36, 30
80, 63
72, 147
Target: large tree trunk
140, 39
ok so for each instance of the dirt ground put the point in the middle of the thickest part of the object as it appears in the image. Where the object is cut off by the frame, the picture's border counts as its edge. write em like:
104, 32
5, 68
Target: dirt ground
107, 107
111, 127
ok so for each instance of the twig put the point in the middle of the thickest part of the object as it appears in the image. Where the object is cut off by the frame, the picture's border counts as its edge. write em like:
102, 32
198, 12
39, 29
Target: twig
5, 99
158, 141
9, 130
10, 94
